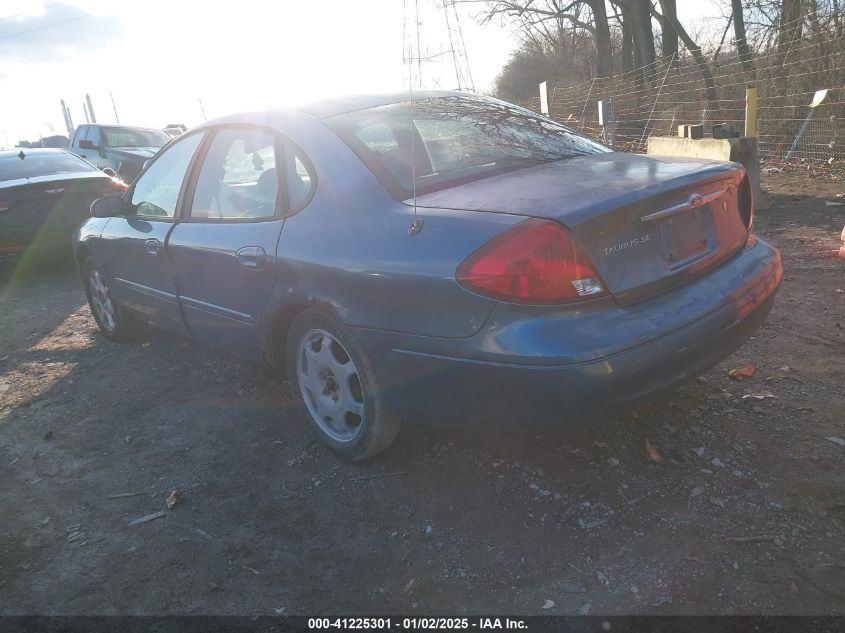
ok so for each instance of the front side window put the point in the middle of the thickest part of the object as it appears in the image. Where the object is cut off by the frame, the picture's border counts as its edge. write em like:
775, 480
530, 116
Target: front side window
132, 137
238, 178
80, 135
156, 192
440, 142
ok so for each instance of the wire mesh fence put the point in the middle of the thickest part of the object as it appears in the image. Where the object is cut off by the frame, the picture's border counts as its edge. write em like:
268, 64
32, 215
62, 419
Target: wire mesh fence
655, 99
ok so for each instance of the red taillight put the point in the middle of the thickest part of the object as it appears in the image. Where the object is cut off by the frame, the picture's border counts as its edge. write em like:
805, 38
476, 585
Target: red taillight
537, 261
119, 185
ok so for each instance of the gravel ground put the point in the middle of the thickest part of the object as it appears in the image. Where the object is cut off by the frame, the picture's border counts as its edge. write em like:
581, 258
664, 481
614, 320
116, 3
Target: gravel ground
159, 477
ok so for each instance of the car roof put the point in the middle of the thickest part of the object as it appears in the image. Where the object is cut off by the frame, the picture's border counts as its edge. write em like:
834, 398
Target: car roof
121, 126
14, 152
340, 105
332, 107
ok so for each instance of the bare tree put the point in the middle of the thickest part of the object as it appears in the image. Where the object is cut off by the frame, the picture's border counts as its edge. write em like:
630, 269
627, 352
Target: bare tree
789, 28
694, 49
639, 13
668, 36
534, 17
604, 63
739, 35
623, 18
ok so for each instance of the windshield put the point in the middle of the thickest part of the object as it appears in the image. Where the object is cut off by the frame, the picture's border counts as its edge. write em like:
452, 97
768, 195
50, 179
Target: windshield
453, 140
134, 137
37, 164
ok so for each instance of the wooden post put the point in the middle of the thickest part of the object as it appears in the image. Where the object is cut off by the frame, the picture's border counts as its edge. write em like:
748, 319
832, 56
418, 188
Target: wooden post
544, 99
751, 112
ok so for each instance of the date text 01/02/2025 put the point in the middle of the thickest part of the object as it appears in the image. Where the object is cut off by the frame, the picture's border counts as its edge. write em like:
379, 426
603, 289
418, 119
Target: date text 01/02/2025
412, 624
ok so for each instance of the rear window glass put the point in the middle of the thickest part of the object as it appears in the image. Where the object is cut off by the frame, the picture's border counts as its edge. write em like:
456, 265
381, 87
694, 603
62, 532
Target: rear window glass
445, 141
33, 165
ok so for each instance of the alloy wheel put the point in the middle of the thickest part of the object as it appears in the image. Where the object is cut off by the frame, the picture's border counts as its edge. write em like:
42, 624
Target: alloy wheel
101, 301
330, 385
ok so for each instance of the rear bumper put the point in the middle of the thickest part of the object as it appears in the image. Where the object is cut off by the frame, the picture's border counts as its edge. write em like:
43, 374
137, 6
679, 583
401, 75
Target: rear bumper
565, 364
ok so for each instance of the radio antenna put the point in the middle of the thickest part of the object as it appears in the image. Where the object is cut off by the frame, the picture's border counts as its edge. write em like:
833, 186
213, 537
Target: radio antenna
416, 224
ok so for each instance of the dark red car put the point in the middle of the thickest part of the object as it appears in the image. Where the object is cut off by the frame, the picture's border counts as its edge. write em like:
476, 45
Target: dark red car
44, 195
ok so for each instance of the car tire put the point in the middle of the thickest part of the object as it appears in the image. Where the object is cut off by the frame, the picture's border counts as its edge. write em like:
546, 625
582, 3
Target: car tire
335, 389
114, 321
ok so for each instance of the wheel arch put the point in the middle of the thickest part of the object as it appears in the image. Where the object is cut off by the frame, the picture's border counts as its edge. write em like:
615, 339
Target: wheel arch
80, 254
278, 327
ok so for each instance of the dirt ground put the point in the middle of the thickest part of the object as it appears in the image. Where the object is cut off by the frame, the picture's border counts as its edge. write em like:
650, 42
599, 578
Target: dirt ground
95, 435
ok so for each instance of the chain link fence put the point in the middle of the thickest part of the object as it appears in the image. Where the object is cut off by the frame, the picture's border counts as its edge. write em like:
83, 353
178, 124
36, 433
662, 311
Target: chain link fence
655, 99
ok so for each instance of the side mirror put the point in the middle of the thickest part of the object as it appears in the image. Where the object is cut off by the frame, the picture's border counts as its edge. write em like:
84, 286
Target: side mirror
86, 145
109, 207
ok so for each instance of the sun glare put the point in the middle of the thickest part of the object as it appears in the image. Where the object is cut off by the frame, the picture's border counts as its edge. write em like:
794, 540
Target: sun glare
168, 62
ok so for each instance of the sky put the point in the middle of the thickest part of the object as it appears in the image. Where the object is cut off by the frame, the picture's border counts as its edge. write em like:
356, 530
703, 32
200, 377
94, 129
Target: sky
159, 58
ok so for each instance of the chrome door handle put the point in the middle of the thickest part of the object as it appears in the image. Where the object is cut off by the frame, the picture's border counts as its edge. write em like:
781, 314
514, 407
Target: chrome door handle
251, 256
152, 247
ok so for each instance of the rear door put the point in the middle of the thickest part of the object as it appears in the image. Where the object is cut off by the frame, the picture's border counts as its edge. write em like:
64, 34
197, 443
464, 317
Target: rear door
224, 250
134, 246
97, 156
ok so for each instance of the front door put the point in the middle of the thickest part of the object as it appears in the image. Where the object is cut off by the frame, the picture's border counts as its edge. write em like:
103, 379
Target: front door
142, 273
224, 250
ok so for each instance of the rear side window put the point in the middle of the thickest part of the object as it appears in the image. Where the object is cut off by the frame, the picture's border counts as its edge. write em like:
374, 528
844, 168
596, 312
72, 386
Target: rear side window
156, 192
299, 180
238, 178
37, 164
243, 172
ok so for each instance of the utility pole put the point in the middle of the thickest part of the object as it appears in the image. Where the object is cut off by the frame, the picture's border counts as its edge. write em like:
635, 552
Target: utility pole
460, 60
90, 108
85, 110
114, 107
66, 116
202, 109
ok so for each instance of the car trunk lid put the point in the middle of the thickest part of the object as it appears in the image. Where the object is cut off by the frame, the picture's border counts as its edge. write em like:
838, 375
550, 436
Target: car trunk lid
647, 224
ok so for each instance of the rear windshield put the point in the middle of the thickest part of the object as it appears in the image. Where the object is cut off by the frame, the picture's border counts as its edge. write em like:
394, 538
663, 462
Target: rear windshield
134, 137
453, 140
33, 165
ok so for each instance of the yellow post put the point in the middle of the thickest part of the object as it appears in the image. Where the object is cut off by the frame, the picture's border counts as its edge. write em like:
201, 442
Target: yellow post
751, 112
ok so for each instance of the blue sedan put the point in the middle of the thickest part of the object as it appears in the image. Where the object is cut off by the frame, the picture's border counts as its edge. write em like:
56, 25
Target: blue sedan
452, 259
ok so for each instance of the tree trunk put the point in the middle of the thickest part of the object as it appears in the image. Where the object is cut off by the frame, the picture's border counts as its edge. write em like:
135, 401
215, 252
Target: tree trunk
627, 39
604, 65
695, 51
739, 35
644, 54
668, 37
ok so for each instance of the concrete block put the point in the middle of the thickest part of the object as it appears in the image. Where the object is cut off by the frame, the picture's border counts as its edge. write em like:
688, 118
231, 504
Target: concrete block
742, 150
725, 130
695, 131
